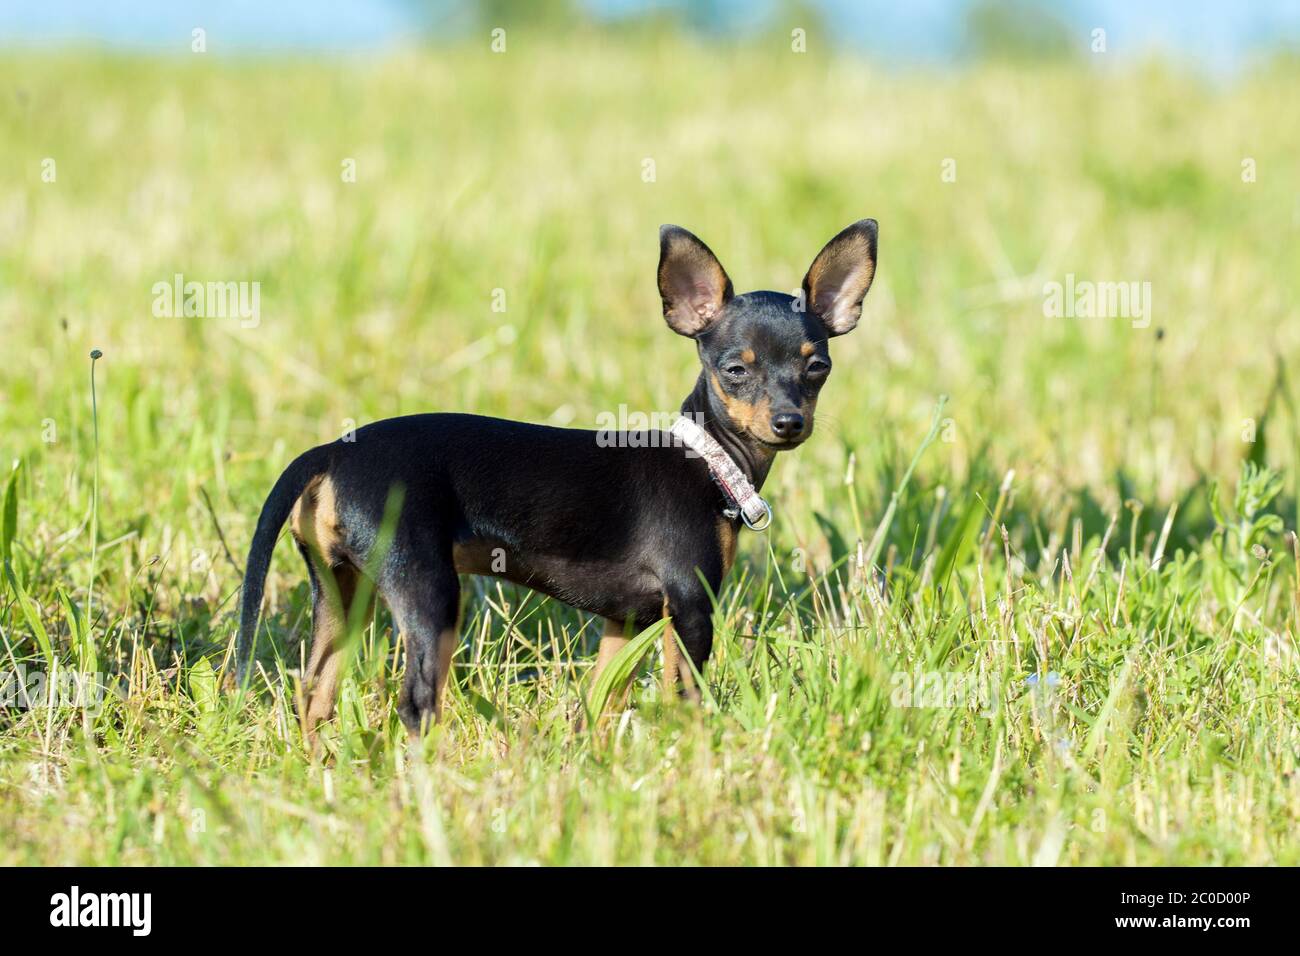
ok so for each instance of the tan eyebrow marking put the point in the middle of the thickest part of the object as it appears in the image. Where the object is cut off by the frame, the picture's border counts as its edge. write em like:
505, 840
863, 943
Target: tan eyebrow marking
807, 349
747, 355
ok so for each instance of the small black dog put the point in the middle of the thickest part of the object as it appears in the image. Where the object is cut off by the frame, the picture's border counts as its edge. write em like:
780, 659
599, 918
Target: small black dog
616, 525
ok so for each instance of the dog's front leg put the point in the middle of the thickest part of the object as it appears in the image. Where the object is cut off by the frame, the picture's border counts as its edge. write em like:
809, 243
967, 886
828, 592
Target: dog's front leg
612, 640
690, 626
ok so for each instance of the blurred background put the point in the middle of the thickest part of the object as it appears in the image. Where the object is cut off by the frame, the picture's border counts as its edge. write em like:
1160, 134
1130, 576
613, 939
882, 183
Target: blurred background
931, 31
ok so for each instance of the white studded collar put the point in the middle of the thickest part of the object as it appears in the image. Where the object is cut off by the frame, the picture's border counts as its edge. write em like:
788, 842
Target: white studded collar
741, 495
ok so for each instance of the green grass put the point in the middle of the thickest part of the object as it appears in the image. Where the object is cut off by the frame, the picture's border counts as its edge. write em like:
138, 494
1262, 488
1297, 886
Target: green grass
1091, 661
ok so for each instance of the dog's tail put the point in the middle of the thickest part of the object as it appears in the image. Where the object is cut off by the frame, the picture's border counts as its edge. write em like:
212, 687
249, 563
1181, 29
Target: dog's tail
288, 487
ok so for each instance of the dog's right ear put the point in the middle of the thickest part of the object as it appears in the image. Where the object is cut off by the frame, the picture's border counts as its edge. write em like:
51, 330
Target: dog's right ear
692, 282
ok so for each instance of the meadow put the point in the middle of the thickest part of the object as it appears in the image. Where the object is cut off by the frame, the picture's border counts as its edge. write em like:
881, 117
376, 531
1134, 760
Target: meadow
1031, 592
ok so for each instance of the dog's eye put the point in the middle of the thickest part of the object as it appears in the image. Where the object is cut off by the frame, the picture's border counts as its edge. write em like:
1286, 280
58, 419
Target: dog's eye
817, 367
736, 370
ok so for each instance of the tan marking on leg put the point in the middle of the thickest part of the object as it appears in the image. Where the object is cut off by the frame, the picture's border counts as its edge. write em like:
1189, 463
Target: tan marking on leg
321, 682
329, 631
675, 668
612, 640
672, 658
726, 543
314, 523
447, 643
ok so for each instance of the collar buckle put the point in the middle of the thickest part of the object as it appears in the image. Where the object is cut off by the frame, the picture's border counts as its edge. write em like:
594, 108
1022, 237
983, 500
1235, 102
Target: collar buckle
763, 522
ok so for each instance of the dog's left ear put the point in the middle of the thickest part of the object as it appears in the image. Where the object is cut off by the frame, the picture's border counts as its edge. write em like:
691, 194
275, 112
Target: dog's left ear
840, 276
692, 282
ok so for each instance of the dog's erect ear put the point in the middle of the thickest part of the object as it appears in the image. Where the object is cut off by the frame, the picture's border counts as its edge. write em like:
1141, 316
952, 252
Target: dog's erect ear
692, 282
840, 276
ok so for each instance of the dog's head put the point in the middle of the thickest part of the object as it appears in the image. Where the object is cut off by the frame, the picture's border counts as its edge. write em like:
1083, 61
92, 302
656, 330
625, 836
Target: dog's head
765, 354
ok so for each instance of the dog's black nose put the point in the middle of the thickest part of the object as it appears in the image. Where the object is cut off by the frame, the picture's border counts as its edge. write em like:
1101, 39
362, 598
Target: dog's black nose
787, 424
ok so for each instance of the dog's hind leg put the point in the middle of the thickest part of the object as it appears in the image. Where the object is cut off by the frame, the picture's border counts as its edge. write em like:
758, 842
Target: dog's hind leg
423, 592
333, 590
316, 527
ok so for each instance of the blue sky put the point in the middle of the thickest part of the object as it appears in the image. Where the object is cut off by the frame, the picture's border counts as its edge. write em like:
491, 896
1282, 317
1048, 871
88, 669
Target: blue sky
1218, 36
